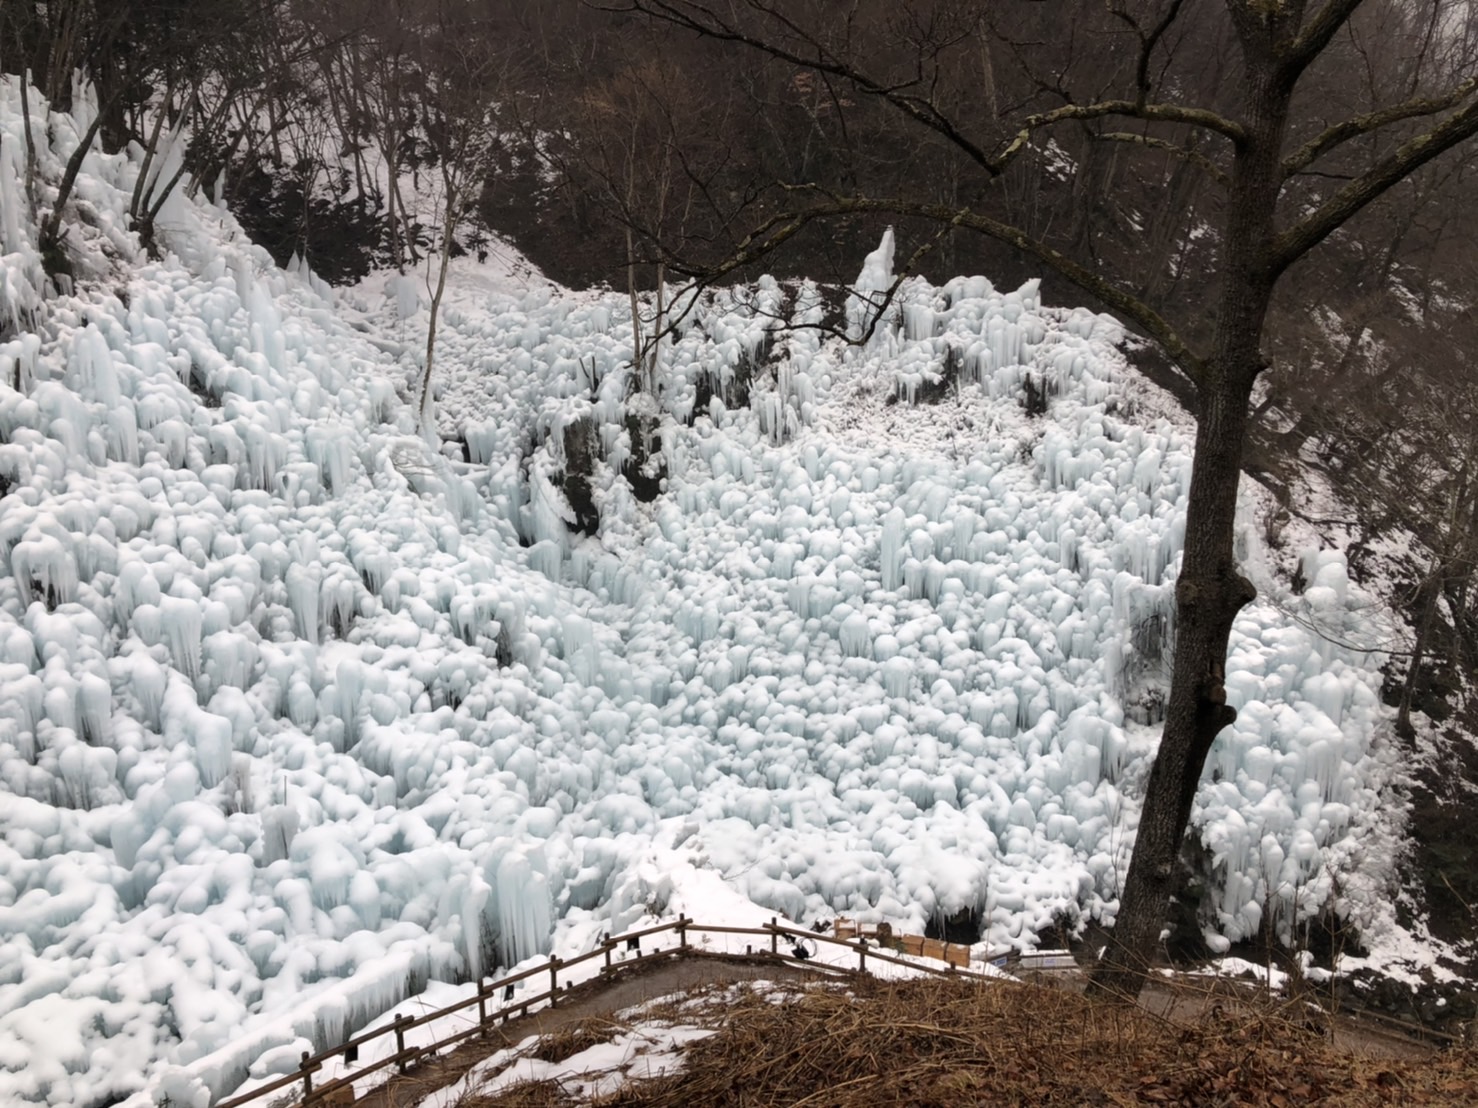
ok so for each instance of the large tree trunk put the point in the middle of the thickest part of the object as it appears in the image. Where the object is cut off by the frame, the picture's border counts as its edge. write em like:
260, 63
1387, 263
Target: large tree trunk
1208, 595
25, 83
1426, 613
53, 254
1209, 591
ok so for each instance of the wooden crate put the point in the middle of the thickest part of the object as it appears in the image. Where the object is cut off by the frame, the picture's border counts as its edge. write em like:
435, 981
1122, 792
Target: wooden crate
915, 945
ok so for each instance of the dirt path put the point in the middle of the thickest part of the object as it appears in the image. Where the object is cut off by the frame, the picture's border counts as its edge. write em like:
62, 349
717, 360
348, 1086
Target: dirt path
1347, 1032
661, 976
1188, 1001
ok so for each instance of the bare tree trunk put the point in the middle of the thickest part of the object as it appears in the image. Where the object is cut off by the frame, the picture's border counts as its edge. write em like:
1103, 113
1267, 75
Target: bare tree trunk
52, 258
60, 63
659, 326
1277, 43
1210, 590
158, 197
1428, 594
30, 144
1209, 594
136, 200
638, 343
390, 148
428, 404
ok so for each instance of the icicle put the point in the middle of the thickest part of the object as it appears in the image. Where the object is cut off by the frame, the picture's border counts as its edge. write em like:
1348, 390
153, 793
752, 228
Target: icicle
524, 910
95, 708
333, 453
44, 570
918, 322
893, 550
474, 902
871, 285
303, 584
179, 623
855, 636
897, 676
351, 681
279, 827
213, 747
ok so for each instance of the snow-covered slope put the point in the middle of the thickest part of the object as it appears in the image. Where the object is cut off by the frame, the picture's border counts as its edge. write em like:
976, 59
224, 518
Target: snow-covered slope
298, 713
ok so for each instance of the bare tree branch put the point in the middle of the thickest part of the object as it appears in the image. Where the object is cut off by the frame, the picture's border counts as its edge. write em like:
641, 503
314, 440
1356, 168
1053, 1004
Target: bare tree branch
703, 20
1151, 113
1147, 43
1308, 232
1195, 157
1316, 36
1359, 125
779, 229
51, 230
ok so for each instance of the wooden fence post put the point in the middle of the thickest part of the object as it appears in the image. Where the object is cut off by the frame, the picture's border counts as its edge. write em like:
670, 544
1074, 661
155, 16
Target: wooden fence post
486, 990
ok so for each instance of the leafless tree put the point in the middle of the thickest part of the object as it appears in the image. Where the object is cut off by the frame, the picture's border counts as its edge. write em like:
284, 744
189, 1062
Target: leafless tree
454, 83
1278, 199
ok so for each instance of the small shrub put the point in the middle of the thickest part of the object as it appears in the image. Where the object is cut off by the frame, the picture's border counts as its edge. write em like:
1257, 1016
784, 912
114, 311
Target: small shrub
1036, 397
581, 448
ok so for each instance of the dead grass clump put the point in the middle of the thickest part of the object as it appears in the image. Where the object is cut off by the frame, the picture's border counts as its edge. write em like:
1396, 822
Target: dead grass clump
531, 1094
948, 1043
564, 1044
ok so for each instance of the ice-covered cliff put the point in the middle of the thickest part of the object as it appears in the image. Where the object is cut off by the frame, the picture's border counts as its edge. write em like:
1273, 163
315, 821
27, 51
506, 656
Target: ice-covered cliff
298, 711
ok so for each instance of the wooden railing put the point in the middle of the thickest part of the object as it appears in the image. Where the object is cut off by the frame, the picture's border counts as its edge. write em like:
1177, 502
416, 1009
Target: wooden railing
337, 1090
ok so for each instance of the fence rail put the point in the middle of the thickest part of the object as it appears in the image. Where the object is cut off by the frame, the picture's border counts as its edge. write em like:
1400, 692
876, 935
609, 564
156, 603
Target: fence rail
333, 1092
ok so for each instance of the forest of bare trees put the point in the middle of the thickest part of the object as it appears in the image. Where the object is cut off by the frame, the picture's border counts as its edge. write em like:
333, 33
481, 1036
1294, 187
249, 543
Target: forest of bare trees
1273, 193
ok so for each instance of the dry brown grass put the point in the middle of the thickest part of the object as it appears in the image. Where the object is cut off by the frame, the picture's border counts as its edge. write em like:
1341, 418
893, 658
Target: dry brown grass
945, 1043
572, 1040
